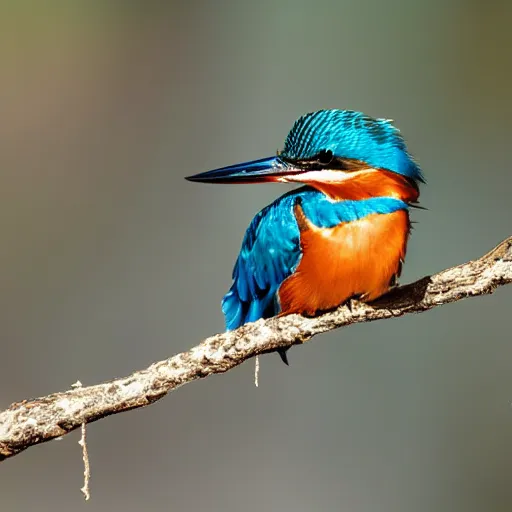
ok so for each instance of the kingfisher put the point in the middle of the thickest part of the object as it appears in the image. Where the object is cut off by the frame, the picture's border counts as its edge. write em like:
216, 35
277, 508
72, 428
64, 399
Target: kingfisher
342, 235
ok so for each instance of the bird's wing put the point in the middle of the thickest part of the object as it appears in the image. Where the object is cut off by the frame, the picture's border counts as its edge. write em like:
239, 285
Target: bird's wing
270, 253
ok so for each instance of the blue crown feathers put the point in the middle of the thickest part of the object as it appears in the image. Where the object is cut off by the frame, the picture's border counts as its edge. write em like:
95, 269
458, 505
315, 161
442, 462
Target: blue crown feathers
351, 135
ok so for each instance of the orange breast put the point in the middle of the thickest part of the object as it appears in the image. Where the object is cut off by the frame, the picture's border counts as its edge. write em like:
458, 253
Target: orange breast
353, 259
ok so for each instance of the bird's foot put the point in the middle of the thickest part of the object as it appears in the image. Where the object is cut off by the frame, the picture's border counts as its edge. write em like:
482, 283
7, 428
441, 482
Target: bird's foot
350, 303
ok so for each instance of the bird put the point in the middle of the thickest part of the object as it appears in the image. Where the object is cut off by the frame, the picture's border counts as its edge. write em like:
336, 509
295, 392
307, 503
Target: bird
341, 235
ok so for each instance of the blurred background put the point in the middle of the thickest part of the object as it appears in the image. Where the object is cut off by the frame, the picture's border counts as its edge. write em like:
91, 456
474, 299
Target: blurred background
110, 260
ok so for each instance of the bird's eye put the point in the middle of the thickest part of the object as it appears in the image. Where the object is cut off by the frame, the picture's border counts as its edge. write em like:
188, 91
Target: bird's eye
325, 156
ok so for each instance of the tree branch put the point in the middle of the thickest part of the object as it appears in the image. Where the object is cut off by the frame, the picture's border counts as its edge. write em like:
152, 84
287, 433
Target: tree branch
32, 422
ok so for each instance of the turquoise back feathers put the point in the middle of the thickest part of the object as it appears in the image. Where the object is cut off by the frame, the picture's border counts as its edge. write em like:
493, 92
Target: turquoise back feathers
351, 135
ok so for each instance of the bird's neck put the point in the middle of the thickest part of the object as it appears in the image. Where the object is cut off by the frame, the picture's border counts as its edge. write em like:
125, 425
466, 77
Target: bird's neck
367, 183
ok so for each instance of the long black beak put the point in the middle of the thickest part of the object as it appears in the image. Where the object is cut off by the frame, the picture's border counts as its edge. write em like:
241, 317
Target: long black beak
257, 171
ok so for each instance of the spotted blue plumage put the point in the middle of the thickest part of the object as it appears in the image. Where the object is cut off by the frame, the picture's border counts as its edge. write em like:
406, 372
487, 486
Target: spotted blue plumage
271, 248
351, 135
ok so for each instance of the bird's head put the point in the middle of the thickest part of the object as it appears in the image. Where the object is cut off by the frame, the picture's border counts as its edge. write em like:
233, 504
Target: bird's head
328, 147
